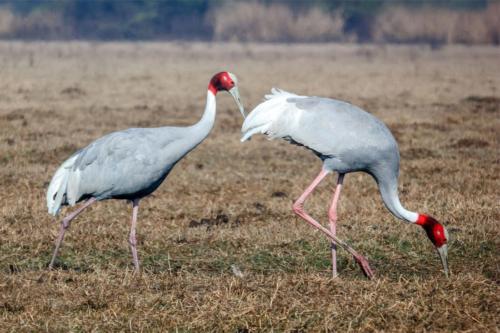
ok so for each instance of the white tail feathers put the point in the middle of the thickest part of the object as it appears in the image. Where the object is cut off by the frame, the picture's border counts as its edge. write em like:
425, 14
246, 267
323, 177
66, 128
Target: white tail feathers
56, 193
276, 92
261, 130
266, 118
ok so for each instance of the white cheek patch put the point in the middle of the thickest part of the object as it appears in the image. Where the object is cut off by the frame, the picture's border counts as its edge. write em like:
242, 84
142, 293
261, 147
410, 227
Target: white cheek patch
446, 234
233, 77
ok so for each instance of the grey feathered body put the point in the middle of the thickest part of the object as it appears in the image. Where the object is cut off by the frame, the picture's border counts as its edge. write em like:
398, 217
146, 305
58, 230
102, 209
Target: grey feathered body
128, 164
345, 137
136, 153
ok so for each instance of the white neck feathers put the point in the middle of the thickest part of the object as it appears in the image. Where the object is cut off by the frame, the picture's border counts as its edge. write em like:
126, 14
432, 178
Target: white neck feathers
203, 127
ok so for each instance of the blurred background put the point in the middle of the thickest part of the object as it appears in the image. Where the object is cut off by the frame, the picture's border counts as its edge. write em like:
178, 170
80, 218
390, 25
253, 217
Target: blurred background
380, 21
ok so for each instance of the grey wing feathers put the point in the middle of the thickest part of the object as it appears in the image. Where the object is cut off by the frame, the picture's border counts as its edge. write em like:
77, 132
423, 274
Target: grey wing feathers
336, 128
119, 163
330, 128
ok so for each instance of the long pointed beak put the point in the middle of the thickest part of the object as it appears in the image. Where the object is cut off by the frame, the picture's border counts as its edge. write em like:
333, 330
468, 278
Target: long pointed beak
236, 95
443, 254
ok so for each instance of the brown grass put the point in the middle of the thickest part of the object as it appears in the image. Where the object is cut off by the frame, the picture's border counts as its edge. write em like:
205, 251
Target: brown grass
260, 22
251, 21
400, 24
36, 25
230, 204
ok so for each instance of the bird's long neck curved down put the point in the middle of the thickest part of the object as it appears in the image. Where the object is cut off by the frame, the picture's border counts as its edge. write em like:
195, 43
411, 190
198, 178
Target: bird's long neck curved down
389, 191
203, 127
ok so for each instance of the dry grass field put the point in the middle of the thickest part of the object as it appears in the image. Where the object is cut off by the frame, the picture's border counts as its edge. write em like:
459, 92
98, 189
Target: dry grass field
229, 203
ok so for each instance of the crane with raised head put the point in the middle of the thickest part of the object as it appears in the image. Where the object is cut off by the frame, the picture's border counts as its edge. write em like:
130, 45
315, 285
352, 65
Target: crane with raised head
347, 139
130, 164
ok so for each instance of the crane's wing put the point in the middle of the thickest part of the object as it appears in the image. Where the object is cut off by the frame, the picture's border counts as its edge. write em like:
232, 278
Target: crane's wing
122, 162
291, 117
328, 127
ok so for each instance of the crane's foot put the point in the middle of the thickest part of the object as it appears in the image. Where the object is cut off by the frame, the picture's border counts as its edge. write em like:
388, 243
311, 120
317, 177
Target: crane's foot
365, 266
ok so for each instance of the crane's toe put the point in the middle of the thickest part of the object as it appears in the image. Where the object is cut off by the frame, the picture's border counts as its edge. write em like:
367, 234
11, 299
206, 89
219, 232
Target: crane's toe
365, 267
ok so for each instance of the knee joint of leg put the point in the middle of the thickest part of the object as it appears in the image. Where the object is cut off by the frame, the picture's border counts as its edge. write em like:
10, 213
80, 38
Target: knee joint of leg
132, 241
298, 207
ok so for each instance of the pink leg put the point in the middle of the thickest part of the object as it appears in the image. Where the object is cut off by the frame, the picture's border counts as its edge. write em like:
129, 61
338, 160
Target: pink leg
298, 208
332, 216
132, 240
65, 225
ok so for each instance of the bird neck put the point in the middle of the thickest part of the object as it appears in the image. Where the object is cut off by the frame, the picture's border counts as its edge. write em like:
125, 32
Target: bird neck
203, 127
389, 190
